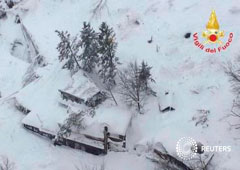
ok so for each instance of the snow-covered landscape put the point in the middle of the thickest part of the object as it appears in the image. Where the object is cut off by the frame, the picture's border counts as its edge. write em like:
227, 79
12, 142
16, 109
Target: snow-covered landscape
50, 110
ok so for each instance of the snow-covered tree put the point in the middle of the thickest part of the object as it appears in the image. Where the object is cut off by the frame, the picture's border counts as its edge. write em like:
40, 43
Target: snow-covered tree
89, 44
74, 121
134, 82
108, 61
68, 49
146, 77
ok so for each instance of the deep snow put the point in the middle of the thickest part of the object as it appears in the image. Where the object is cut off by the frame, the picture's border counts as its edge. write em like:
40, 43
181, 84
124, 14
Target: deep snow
178, 67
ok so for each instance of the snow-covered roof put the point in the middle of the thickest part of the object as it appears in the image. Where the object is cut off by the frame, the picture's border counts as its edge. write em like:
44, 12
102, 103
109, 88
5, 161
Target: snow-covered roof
83, 89
43, 122
41, 97
116, 119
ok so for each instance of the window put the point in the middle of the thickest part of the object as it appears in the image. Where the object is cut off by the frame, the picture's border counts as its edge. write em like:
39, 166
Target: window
35, 130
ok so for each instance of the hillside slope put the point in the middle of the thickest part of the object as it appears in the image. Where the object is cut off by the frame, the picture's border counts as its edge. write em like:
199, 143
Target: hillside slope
177, 66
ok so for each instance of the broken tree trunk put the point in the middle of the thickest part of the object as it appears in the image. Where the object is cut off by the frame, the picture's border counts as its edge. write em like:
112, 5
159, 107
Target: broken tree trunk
29, 40
172, 160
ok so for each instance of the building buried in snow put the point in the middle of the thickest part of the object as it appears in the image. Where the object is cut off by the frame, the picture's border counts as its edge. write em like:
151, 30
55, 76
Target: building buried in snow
166, 102
86, 93
104, 131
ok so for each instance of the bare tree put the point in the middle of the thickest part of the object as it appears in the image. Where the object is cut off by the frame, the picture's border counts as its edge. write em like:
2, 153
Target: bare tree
134, 83
6, 164
234, 113
201, 118
98, 7
233, 72
201, 162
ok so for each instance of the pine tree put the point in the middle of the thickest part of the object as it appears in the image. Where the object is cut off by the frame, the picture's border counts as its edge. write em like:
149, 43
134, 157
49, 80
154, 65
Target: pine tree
107, 49
107, 59
89, 57
145, 77
68, 49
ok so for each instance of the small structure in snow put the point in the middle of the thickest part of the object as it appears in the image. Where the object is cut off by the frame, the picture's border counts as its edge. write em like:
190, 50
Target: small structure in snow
166, 102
